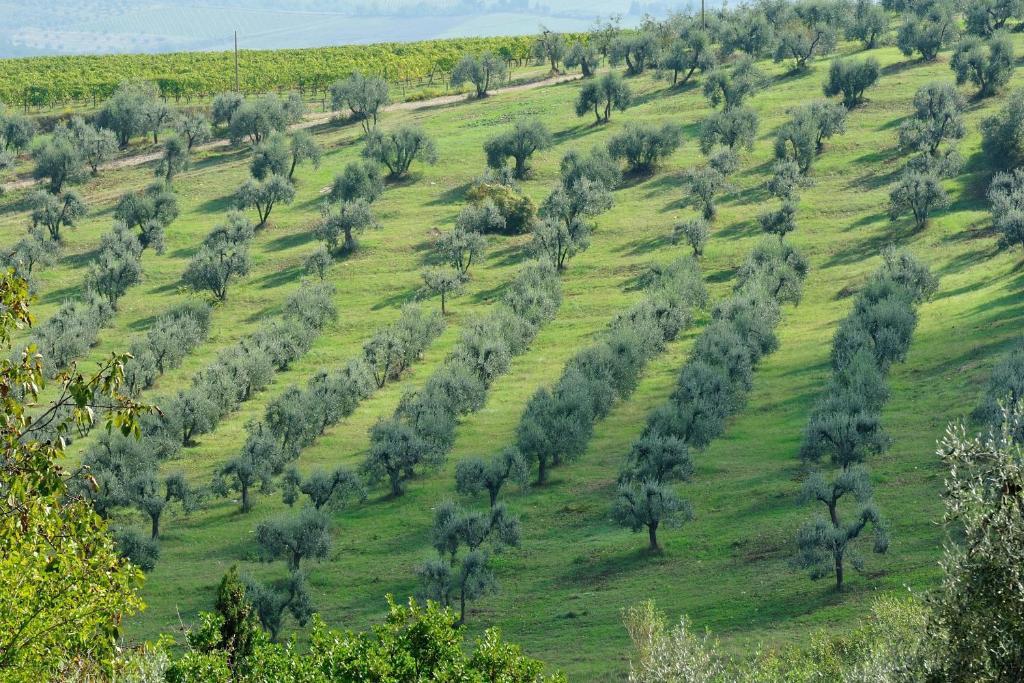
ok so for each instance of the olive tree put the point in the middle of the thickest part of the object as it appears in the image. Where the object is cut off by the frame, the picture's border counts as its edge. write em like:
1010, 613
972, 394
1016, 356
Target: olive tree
363, 96
918, 194
194, 129
850, 78
937, 120
272, 601
443, 281
688, 53
131, 111
255, 120
464, 541
475, 475
319, 262
398, 148
223, 256
1002, 134
395, 452
582, 55
825, 543
694, 232
636, 50
1006, 197
360, 179
150, 212
264, 195
550, 46
810, 30
339, 223
786, 180
526, 137
480, 70
927, 28
59, 161
460, 247
482, 218
988, 65
254, 465
295, 537
869, 23
603, 95
173, 159
648, 504
117, 267
985, 17
643, 146
564, 229
33, 250
731, 87
781, 221
334, 489
56, 212
144, 493
224, 106
187, 414
705, 184
97, 145
734, 128
802, 138
976, 612
16, 131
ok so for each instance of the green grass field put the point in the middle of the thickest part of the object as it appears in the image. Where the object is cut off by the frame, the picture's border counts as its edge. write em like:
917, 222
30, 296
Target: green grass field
564, 588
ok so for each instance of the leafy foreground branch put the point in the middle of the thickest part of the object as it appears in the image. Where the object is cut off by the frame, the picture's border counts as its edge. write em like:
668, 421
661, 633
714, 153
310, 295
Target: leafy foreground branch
63, 587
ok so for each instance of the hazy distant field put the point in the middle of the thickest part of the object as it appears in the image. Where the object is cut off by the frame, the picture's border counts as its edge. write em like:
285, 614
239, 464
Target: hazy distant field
105, 26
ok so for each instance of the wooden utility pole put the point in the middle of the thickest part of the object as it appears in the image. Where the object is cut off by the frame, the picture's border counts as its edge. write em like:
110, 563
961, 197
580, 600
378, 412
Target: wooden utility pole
236, 62
703, 23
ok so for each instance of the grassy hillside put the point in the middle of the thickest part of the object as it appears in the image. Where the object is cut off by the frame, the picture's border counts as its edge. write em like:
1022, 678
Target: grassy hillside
563, 589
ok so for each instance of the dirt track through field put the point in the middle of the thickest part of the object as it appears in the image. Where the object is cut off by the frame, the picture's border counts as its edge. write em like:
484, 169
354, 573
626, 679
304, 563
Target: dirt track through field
312, 120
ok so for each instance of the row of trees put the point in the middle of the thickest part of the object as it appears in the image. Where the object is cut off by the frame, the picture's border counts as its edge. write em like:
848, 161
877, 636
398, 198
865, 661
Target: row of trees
126, 470
74, 328
845, 424
422, 429
296, 418
291, 422
63, 624
712, 386
557, 423
967, 628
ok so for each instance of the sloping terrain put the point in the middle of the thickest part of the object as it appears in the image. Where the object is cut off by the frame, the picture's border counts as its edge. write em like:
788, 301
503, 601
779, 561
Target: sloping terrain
563, 589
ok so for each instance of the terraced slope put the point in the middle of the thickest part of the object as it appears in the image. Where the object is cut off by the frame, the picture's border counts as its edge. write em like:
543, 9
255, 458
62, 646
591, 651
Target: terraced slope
562, 591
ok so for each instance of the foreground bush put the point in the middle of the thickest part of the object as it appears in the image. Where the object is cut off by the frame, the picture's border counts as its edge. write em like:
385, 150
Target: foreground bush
414, 643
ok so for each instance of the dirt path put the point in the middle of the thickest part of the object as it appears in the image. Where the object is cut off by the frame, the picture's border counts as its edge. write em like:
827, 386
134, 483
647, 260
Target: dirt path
312, 120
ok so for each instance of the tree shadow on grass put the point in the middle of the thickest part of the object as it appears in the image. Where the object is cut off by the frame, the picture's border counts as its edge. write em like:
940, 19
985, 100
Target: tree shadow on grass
899, 67
873, 246
510, 255
57, 296
82, 259
280, 277
723, 275
397, 299
217, 205
578, 132
21, 205
737, 229
597, 572
645, 246
295, 239
453, 195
